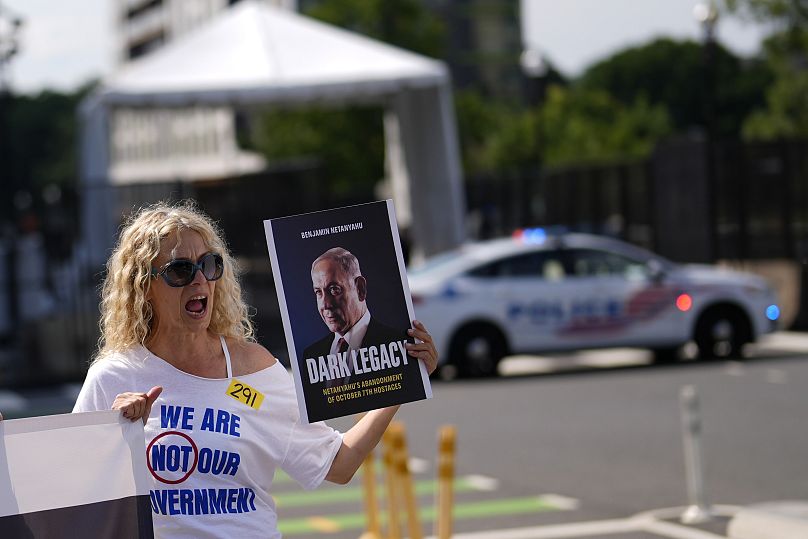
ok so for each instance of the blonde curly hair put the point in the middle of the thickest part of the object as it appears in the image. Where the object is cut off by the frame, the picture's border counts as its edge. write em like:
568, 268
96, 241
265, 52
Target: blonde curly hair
126, 314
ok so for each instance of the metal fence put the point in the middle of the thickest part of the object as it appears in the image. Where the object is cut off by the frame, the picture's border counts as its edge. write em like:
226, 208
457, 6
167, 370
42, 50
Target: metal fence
749, 201
49, 311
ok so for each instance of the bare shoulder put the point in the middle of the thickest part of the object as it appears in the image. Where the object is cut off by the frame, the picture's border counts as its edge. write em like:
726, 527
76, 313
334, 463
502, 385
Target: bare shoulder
249, 357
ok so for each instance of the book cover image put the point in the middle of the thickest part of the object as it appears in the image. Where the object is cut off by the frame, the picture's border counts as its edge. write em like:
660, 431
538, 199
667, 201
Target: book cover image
346, 308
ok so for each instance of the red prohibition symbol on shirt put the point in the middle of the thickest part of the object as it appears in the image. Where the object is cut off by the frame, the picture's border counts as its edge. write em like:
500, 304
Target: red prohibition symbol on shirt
171, 458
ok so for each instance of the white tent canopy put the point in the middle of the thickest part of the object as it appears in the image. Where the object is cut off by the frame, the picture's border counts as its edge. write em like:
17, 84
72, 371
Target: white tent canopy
256, 54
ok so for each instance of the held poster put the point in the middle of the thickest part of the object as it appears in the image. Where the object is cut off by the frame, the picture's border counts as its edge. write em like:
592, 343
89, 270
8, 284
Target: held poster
346, 308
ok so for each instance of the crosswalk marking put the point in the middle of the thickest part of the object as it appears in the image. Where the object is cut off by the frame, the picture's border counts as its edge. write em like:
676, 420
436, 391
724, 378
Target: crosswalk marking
482, 482
352, 494
417, 465
562, 502
322, 524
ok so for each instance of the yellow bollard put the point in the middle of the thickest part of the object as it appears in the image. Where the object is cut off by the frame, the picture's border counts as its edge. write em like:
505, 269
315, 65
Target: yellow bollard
391, 480
404, 479
446, 455
371, 506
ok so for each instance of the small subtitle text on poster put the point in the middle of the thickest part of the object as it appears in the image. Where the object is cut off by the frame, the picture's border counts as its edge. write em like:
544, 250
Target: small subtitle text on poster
364, 388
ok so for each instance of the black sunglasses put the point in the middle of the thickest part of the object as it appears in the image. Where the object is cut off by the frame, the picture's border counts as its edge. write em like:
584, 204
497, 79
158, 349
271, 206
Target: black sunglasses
181, 272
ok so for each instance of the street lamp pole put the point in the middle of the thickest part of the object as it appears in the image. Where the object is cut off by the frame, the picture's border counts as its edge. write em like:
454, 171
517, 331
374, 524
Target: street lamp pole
535, 68
707, 16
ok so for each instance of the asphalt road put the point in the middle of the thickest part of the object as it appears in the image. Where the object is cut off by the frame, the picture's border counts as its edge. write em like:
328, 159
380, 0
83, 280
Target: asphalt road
611, 439
592, 438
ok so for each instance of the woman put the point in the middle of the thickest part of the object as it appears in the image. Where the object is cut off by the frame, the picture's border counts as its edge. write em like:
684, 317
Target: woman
175, 336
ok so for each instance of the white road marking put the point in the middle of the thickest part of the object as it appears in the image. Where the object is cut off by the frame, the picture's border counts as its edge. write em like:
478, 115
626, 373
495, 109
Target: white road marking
417, 465
561, 502
587, 359
734, 368
776, 376
784, 341
482, 482
676, 531
595, 528
649, 522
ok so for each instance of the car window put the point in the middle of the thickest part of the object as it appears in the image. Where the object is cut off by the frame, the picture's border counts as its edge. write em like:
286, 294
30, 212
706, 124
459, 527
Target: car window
543, 265
594, 263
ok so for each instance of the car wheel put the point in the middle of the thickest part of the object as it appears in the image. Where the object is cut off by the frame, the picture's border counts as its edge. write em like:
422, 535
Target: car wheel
477, 349
721, 333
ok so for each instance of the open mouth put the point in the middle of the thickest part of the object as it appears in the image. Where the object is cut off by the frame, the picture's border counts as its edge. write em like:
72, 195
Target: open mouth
197, 306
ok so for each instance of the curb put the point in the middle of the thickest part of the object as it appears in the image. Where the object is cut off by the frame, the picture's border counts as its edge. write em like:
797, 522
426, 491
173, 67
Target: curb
783, 519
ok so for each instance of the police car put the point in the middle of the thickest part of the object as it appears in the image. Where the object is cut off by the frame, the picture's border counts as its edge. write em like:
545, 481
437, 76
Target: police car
540, 292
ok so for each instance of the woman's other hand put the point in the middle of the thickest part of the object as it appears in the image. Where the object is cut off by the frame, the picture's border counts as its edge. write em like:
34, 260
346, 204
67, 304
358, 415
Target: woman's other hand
424, 350
136, 406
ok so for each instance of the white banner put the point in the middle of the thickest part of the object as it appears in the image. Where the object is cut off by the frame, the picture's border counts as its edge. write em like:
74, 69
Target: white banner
74, 475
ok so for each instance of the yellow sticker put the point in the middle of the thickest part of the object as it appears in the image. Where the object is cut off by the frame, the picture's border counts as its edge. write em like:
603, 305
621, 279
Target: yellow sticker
245, 394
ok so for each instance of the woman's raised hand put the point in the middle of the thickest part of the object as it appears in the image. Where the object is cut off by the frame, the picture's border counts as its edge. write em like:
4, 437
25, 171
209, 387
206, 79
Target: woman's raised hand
136, 406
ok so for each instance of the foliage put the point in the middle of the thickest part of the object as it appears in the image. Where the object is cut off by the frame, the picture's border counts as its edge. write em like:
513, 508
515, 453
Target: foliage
570, 126
478, 121
591, 125
348, 142
680, 76
43, 141
786, 12
403, 23
786, 111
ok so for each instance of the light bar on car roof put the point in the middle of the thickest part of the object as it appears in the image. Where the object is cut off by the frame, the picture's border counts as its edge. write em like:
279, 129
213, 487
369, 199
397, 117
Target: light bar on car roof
530, 235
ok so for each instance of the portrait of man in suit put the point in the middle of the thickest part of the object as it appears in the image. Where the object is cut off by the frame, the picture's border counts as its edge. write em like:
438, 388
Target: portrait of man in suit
341, 292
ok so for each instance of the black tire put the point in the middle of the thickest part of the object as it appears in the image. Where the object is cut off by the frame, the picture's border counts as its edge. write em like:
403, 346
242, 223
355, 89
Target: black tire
476, 350
721, 333
667, 355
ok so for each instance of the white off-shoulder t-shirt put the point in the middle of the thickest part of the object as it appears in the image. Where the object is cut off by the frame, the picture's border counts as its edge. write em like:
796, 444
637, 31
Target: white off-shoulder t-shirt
212, 457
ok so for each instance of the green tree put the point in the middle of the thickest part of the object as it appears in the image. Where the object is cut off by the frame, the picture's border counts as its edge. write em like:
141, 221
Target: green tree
43, 138
674, 74
790, 13
479, 121
576, 125
403, 23
348, 142
785, 113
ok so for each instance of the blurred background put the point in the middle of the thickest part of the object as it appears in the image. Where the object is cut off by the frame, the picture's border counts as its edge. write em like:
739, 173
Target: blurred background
676, 126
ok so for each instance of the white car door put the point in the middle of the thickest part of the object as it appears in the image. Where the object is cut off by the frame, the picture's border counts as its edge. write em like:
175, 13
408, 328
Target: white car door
527, 293
616, 302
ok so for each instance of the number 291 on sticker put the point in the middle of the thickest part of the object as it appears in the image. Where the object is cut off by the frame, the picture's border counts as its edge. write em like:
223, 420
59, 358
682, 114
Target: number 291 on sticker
245, 394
